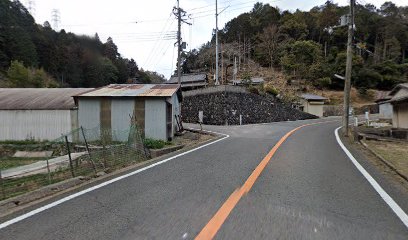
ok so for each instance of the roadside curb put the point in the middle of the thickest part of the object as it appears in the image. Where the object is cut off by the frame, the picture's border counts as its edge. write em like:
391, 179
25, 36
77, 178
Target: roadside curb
94, 181
390, 165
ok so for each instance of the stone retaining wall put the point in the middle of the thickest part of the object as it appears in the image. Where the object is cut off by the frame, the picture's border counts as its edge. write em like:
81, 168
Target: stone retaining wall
225, 108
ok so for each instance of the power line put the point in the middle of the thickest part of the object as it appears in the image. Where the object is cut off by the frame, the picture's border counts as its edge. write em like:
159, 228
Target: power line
159, 47
156, 42
233, 8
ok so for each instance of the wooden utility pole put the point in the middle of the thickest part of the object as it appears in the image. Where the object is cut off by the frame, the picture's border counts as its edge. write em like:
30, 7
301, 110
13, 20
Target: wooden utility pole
178, 43
180, 14
347, 84
216, 44
222, 65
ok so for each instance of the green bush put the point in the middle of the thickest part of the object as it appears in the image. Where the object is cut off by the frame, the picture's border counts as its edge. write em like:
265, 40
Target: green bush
155, 144
323, 82
271, 90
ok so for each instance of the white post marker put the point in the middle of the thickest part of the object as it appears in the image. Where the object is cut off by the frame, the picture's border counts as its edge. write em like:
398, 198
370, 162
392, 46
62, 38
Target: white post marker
367, 118
240, 119
387, 198
200, 116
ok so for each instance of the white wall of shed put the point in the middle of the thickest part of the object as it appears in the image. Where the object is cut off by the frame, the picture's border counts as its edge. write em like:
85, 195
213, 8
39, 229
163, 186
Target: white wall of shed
176, 111
385, 111
35, 124
121, 113
89, 116
316, 108
313, 107
400, 116
155, 119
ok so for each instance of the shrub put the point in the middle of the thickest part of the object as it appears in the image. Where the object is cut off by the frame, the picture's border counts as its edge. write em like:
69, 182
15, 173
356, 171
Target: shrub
323, 82
271, 90
155, 144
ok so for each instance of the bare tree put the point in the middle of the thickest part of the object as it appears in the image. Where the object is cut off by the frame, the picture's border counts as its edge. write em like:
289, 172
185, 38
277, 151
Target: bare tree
270, 41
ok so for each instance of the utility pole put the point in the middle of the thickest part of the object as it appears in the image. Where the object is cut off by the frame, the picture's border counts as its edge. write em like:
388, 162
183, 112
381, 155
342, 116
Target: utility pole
180, 14
347, 84
216, 43
178, 43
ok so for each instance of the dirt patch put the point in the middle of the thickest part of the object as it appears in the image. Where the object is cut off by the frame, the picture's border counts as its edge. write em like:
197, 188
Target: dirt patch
191, 138
396, 153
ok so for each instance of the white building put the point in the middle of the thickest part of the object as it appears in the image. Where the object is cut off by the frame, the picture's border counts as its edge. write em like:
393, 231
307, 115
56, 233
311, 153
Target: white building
312, 104
399, 101
153, 107
37, 113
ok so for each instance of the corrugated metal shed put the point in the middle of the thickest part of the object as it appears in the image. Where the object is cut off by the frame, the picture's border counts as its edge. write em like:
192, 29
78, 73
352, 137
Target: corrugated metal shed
39, 98
132, 90
194, 77
312, 97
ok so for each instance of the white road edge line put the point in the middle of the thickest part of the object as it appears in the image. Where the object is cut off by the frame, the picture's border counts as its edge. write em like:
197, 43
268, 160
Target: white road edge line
67, 198
387, 198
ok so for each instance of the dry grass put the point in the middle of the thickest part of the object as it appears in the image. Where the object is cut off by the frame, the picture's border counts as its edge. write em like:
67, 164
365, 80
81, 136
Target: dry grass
395, 153
357, 100
279, 80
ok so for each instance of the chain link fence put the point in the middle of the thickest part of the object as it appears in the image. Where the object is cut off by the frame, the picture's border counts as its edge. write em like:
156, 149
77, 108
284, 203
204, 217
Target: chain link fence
82, 152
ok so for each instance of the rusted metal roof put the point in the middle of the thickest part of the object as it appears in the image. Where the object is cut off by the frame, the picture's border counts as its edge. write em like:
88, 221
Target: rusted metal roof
39, 98
133, 90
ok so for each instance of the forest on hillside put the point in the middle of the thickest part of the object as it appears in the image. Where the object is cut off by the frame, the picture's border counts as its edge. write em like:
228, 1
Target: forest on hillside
310, 45
33, 55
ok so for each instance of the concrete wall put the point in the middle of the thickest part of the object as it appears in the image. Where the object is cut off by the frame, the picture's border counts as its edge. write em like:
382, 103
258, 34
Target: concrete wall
385, 110
155, 119
35, 124
122, 111
400, 116
215, 89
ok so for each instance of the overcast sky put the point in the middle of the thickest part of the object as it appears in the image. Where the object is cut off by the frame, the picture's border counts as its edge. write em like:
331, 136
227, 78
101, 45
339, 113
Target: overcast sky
135, 26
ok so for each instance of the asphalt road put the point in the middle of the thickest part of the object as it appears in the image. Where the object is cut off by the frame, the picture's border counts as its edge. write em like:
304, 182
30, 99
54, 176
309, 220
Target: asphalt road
309, 190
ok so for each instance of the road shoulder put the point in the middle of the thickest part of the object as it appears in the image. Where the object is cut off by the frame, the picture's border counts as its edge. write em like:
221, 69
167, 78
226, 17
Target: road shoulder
387, 178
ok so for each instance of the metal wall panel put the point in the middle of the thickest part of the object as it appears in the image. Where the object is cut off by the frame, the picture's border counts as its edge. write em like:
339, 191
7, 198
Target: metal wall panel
155, 119
89, 115
139, 114
122, 111
176, 111
385, 110
34, 124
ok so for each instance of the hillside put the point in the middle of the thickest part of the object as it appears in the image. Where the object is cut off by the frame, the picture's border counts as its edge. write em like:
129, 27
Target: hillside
33, 55
309, 47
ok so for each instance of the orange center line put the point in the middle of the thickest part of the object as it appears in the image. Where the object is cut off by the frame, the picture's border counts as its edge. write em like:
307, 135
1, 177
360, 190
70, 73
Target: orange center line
215, 223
